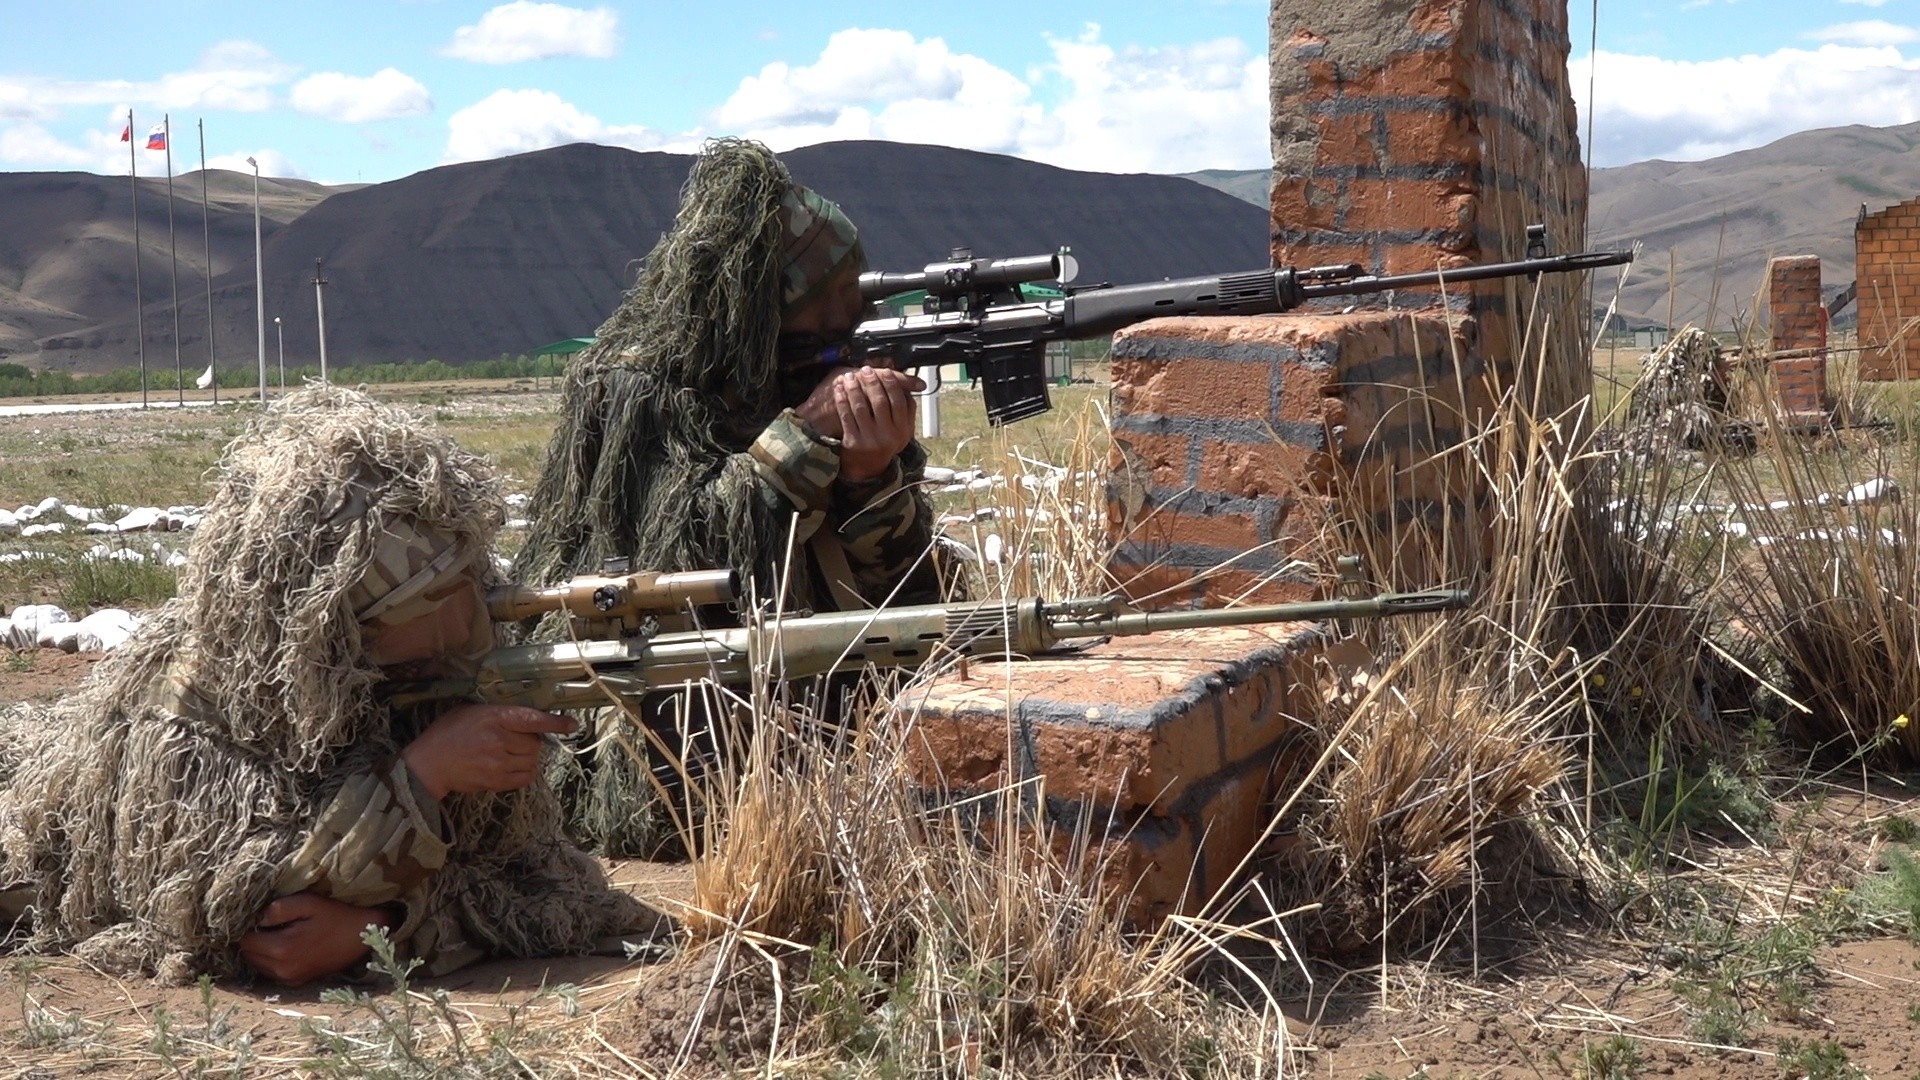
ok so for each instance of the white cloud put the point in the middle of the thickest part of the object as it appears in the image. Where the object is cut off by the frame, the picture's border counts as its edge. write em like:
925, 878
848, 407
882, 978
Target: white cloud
525, 30
31, 145
385, 94
516, 121
1170, 109
1865, 3
233, 75
1687, 110
1866, 32
272, 163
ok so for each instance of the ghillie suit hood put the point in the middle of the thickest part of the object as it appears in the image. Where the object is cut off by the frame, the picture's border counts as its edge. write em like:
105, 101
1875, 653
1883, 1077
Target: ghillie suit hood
153, 837
647, 461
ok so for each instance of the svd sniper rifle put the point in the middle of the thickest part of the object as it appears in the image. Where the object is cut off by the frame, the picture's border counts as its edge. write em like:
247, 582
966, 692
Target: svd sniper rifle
620, 653
974, 313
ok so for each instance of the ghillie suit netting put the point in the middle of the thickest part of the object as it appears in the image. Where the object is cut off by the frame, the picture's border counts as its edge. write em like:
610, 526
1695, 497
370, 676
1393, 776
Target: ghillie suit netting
650, 459
1681, 399
153, 838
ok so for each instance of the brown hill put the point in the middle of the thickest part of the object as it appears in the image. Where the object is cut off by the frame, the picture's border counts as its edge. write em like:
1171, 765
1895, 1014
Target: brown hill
66, 253
474, 260
1723, 218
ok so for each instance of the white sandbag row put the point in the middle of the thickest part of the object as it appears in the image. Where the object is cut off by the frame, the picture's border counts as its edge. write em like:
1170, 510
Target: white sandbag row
60, 517
158, 554
47, 626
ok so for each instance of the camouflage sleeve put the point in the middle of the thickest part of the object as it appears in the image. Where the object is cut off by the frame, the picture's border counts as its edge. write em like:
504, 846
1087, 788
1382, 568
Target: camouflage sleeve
885, 526
800, 466
378, 841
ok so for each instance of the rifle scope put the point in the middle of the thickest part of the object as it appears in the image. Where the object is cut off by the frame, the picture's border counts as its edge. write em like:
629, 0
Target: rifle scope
963, 275
616, 596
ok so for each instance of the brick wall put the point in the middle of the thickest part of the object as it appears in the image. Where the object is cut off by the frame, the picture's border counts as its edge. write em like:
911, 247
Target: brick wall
1230, 433
1886, 260
1406, 135
1410, 136
1160, 752
1799, 330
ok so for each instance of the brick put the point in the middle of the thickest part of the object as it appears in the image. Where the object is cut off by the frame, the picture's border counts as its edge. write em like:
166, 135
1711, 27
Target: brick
1348, 140
1273, 468
1409, 205
1167, 526
1423, 138
1155, 460
1216, 389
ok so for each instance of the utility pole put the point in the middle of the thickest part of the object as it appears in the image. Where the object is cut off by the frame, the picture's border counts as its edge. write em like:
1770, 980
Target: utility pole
206, 241
259, 284
139, 305
173, 258
320, 309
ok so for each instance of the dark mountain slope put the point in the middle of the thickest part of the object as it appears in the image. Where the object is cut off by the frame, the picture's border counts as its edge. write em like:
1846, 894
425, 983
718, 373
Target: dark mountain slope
474, 260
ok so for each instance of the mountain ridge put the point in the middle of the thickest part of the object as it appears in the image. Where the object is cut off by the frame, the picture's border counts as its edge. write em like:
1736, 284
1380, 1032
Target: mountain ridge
472, 260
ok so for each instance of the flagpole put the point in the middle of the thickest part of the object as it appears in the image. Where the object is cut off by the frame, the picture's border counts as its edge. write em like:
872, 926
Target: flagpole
259, 284
173, 258
206, 238
139, 306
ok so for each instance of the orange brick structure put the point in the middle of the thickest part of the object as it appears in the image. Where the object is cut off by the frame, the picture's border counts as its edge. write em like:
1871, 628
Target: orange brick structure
1402, 142
1162, 750
1406, 136
1410, 136
1886, 263
1799, 336
1229, 433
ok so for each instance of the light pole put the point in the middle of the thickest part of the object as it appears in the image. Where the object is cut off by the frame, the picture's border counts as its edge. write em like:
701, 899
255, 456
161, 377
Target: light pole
320, 310
281, 335
259, 284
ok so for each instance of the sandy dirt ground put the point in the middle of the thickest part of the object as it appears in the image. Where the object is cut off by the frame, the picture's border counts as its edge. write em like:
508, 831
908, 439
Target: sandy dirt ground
1531, 1012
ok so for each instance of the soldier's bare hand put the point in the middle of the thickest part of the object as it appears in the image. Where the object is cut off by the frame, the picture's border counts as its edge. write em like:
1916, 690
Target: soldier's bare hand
818, 410
482, 748
307, 936
876, 418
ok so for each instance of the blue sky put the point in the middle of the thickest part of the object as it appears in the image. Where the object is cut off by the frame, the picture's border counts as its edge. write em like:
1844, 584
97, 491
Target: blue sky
370, 90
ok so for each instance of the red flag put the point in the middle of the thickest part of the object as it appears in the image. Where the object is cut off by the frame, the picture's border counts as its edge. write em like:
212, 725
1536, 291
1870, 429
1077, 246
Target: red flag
126, 133
157, 139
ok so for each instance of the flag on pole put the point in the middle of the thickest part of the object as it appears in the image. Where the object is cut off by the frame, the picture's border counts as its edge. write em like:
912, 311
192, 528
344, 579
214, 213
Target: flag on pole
126, 133
157, 139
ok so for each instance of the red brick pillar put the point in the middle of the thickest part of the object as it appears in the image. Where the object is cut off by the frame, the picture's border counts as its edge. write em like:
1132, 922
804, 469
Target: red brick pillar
1413, 135
1230, 433
1886, 268
1800, 333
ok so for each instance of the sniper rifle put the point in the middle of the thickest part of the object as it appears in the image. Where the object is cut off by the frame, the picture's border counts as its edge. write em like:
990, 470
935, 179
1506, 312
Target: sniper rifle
975, 314
621, 653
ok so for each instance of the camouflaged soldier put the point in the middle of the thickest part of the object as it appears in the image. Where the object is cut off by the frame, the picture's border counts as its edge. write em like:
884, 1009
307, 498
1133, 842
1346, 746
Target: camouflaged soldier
715, 423
227, 789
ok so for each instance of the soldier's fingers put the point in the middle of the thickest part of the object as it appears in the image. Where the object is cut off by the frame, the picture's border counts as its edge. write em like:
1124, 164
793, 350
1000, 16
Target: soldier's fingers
856, 411
535, 722
878, 392
911, 382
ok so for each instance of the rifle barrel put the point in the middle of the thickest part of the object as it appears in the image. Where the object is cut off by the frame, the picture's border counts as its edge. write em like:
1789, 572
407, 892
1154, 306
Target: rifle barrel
1557, 264
1150, 622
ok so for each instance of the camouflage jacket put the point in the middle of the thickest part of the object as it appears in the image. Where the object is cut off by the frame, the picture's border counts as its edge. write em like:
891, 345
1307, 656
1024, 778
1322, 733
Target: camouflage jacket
868, 540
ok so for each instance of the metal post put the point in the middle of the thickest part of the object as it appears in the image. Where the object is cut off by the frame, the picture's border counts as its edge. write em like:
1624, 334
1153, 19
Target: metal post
139, 305
320, 310
259, 284
206, 238
929, 410
173, 259
281, 335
